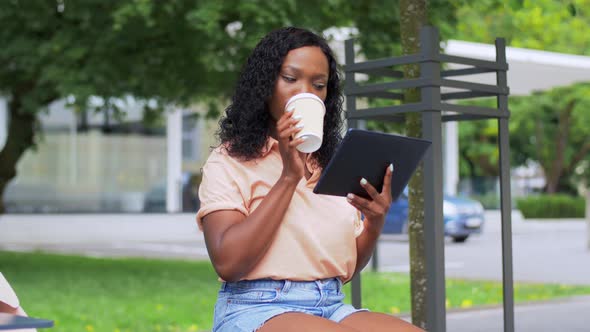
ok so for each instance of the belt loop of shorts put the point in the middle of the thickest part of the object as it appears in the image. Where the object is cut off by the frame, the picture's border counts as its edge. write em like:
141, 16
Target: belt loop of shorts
286, 286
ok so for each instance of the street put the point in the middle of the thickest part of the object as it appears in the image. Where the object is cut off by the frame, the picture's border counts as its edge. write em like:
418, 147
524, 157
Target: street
543, 251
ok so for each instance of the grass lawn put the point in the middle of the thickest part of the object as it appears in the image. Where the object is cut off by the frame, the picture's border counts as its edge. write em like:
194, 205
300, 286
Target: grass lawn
118, 295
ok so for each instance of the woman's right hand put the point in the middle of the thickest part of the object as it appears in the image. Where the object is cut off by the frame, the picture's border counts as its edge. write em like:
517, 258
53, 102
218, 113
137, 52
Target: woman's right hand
293, 160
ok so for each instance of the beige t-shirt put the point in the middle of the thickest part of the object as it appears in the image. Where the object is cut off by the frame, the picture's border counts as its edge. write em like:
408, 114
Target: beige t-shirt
317, 238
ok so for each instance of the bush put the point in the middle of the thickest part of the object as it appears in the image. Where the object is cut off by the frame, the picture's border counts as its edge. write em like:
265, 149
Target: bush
551, 206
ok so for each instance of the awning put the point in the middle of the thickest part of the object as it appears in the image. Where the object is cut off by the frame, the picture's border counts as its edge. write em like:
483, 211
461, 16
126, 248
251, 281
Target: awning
528, 70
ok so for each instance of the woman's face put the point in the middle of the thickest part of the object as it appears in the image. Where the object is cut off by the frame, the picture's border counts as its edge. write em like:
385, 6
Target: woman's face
304, 69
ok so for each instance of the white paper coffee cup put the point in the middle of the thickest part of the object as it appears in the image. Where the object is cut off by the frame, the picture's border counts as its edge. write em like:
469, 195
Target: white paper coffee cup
311, 109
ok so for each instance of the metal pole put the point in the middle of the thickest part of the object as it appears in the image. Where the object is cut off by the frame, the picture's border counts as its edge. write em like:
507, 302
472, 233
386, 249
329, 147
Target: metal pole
433, 185
588, 216
505, 195
349, 83
362, 124
375, 258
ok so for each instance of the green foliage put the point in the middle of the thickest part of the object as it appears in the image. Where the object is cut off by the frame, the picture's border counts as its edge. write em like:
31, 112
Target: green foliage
551, 206
379, 36
90, 294
548, 127
551, 25
551, 128
378, 22
160, 52
171, 51
478, 148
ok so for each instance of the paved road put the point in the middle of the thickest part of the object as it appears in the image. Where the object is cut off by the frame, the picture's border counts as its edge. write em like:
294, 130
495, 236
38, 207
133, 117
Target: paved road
542, 252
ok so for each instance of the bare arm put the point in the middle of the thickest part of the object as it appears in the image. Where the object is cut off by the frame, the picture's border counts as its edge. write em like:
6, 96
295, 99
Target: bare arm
365, 244
236, 243
374, 210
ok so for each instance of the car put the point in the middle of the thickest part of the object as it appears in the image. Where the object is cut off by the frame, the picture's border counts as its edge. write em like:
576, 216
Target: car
462, 217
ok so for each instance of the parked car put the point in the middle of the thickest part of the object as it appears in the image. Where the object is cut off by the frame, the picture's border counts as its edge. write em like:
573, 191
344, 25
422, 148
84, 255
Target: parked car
462, 217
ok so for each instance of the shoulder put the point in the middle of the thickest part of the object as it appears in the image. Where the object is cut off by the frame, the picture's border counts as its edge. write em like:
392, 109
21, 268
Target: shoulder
220, 155
220, 161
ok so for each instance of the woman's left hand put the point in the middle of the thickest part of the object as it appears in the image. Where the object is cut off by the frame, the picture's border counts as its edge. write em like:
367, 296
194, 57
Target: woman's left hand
374, 209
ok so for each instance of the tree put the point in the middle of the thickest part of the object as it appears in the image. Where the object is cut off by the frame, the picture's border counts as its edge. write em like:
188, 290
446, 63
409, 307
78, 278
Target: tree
413, 18
168, 52
478, 148
547, 25
387, 30
551, 128
552, 25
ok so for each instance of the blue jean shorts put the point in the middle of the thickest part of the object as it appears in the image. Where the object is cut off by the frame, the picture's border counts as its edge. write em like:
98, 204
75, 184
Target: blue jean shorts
247, 305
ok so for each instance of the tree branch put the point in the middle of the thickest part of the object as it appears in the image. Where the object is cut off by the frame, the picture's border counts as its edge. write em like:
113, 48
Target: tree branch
581, 154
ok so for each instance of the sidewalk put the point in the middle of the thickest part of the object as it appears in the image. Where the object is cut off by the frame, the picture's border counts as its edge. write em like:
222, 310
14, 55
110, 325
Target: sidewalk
564, 315
567, 315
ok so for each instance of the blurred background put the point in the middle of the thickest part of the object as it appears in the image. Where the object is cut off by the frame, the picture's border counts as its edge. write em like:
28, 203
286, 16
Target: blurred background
120, 100
109, 109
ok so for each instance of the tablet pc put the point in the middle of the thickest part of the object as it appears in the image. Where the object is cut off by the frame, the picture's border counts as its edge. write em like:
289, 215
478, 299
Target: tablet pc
367, 154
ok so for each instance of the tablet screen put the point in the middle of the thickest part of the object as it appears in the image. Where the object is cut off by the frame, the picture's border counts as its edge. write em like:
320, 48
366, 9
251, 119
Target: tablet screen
367, 154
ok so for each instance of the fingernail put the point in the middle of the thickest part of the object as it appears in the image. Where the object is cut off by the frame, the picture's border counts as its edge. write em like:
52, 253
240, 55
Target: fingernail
363, 181
299, 125
297, 117
391, 167
349, 197
290, 109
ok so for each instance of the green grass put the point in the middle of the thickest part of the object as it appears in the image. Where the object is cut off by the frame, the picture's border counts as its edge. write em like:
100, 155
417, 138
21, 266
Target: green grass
118, 295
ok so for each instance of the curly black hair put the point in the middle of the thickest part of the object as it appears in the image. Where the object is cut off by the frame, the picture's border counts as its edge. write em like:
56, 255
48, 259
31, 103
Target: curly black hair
245, 128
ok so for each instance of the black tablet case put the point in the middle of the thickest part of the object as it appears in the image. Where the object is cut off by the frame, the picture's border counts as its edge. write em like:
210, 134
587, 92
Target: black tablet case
367, 154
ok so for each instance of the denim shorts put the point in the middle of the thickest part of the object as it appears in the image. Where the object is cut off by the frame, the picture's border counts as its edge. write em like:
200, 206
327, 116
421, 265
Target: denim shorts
246, 305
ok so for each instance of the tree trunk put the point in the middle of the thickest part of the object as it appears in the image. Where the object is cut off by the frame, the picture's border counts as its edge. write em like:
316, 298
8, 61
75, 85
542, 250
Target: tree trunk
21, 132
412, 18
556, 164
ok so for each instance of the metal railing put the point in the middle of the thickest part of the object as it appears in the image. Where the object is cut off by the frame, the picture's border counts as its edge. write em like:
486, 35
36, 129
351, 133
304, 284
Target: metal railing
434, 110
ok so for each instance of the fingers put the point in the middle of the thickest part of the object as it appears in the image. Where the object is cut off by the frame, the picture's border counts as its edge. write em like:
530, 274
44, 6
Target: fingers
286, 121
358, 202
290, 131
379, 203
370, 189
387, 180
371, 209
288, 125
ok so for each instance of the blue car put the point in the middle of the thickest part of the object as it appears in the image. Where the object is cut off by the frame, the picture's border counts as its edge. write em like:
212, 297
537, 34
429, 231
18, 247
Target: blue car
462, 217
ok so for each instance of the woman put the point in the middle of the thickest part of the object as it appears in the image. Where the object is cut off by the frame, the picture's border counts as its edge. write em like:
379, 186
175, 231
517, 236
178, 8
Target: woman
282, 251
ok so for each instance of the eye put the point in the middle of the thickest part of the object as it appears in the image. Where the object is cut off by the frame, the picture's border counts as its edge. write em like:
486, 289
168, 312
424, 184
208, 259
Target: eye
319, 86
288, 79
